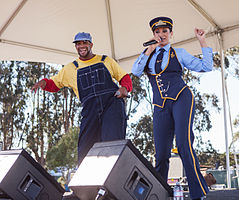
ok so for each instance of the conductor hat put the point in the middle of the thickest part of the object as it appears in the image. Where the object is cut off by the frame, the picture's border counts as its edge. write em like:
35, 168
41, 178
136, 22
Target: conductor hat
161, 22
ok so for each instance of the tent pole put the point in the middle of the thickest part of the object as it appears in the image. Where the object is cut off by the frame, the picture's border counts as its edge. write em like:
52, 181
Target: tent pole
109, 19
219, 36
232, 146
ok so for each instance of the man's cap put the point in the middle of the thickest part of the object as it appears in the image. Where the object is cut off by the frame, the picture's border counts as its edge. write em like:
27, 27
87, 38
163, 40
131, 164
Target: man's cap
161, 22
82, 36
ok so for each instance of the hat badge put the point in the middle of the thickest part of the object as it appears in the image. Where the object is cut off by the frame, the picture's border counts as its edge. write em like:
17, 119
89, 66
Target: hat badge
172, 55
160, 22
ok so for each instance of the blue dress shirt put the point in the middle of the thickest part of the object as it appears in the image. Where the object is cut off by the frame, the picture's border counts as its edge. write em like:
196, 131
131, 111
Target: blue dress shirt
186, 60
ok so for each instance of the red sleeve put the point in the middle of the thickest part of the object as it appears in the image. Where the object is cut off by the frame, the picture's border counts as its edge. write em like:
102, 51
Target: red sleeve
126, 82
50, 86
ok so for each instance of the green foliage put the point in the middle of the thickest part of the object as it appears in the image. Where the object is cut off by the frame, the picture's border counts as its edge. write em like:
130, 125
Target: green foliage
213, 158
37, 121
141, 135
64, 153
45, 124
138, 94
235, 138
231, 61
236, 121
12, 101
208, 156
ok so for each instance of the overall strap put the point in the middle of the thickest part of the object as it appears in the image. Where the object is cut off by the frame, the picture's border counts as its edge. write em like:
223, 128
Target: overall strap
75, 63
103, 58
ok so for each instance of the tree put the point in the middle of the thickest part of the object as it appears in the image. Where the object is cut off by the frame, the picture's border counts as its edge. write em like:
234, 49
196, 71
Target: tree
64, 154
209, 156
235, 138
45, 124
37, 121
52, 113
140, 132
12, 102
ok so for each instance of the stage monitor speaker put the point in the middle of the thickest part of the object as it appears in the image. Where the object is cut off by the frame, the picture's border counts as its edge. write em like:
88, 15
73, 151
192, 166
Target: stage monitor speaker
22, 178
118, 171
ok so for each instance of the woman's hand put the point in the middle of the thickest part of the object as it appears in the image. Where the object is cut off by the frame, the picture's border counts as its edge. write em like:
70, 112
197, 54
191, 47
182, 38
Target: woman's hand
200, 34
151, 47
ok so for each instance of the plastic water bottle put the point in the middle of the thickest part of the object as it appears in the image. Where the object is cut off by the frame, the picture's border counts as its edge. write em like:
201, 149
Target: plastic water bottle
178, 192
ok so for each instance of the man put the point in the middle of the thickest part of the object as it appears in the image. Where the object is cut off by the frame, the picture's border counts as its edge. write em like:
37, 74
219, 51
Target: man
92, 79
173, 100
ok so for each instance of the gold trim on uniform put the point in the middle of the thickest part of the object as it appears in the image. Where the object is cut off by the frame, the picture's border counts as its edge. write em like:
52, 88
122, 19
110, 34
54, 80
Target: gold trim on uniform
171, 53
190, 145
160, 23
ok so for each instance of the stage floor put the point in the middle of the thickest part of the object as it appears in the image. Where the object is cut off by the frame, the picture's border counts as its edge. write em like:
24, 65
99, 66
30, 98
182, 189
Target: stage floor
225, 194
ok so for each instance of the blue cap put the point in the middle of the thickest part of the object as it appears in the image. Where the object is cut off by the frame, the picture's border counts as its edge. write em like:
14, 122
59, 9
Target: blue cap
82, 36
161, 22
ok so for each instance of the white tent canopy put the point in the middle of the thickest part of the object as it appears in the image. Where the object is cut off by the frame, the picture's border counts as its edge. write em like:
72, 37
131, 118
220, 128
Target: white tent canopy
43, 30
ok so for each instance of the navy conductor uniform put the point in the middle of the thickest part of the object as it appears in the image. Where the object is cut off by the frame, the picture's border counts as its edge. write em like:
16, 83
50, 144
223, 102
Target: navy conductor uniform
173, 100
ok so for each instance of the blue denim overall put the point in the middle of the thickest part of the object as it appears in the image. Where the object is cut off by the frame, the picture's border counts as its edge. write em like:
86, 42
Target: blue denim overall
103, 114
173, 114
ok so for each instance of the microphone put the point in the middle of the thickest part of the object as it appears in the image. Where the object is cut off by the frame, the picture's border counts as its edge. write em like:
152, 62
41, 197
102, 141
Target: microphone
149, 43
118, 93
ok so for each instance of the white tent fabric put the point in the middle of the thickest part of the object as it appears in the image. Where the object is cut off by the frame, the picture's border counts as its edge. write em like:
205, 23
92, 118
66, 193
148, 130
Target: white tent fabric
43, 30
33, 30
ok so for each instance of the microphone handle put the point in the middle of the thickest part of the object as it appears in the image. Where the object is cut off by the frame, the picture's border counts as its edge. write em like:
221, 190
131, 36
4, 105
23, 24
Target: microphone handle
118, 93
149, 43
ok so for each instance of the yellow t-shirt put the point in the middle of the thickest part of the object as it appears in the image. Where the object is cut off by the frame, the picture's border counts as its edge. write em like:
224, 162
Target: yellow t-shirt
67, 76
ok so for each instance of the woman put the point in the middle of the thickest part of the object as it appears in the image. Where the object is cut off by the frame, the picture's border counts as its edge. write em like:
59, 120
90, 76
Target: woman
173, 101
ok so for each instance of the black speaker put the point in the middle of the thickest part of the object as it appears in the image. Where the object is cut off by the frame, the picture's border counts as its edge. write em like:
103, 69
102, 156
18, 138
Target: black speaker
118, 171
22, 178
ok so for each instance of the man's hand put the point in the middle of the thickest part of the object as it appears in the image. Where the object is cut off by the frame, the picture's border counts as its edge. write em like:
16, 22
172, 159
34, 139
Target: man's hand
121, 92
41, 84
